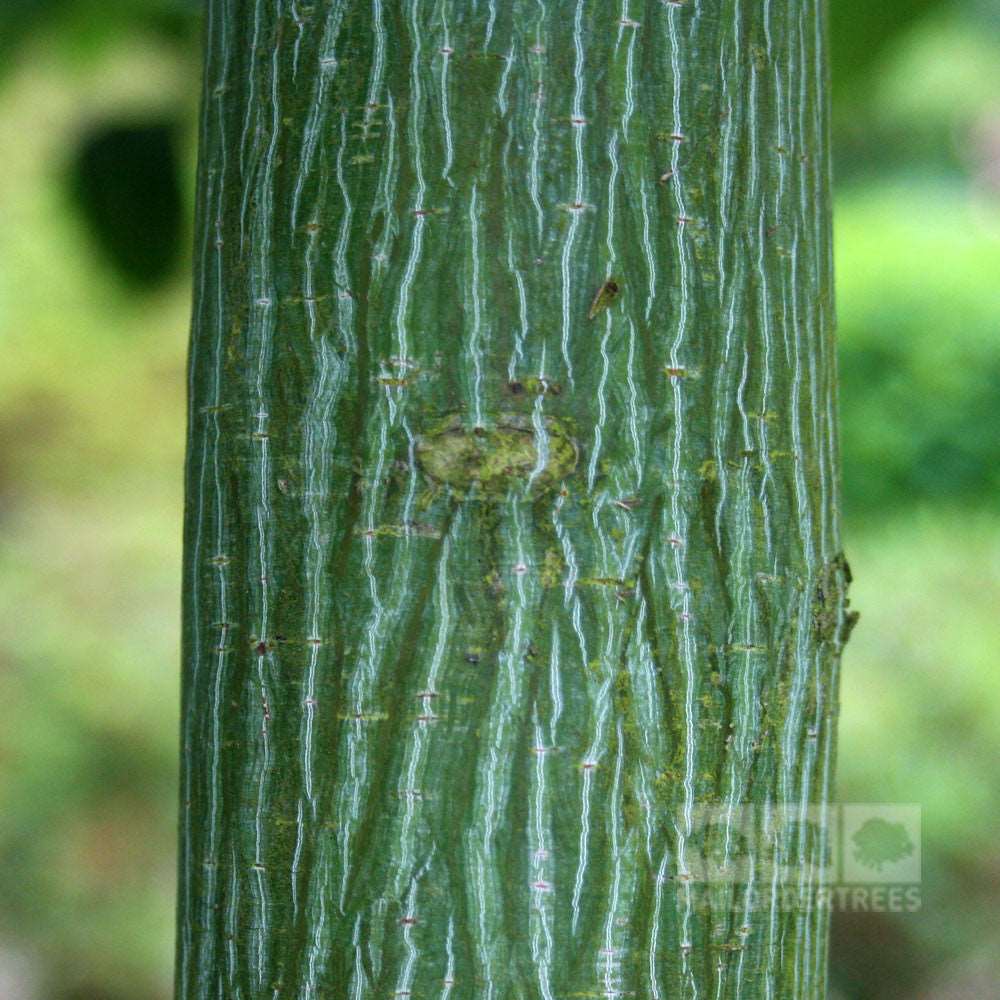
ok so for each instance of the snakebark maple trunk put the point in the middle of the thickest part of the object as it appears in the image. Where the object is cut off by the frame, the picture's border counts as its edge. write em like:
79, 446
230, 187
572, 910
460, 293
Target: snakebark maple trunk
513, 595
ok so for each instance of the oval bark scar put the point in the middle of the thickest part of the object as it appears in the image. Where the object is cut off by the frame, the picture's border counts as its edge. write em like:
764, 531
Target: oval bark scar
495, 459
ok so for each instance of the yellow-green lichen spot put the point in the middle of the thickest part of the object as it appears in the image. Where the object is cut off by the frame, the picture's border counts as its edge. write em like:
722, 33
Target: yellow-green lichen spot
495, 460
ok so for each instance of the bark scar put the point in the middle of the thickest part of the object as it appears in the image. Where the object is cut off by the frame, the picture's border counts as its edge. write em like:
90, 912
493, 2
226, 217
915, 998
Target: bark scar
492, 460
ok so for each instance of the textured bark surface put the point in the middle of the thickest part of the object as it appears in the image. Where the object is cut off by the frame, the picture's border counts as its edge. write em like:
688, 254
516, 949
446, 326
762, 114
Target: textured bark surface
512, 502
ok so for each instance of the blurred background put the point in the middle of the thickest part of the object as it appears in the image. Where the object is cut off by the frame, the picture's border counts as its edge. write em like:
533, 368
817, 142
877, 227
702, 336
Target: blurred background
99, 99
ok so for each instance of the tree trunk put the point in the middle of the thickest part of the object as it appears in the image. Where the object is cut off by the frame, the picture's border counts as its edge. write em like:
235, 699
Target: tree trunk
513, 590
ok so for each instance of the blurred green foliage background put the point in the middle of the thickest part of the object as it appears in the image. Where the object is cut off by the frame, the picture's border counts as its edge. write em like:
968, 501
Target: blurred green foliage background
99, 99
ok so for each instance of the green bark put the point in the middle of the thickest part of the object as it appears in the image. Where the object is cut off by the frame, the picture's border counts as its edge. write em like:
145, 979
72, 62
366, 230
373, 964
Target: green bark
511, 533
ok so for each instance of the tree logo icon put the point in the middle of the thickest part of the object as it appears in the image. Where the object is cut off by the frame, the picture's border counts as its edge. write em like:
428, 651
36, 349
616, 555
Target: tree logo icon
878, 843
